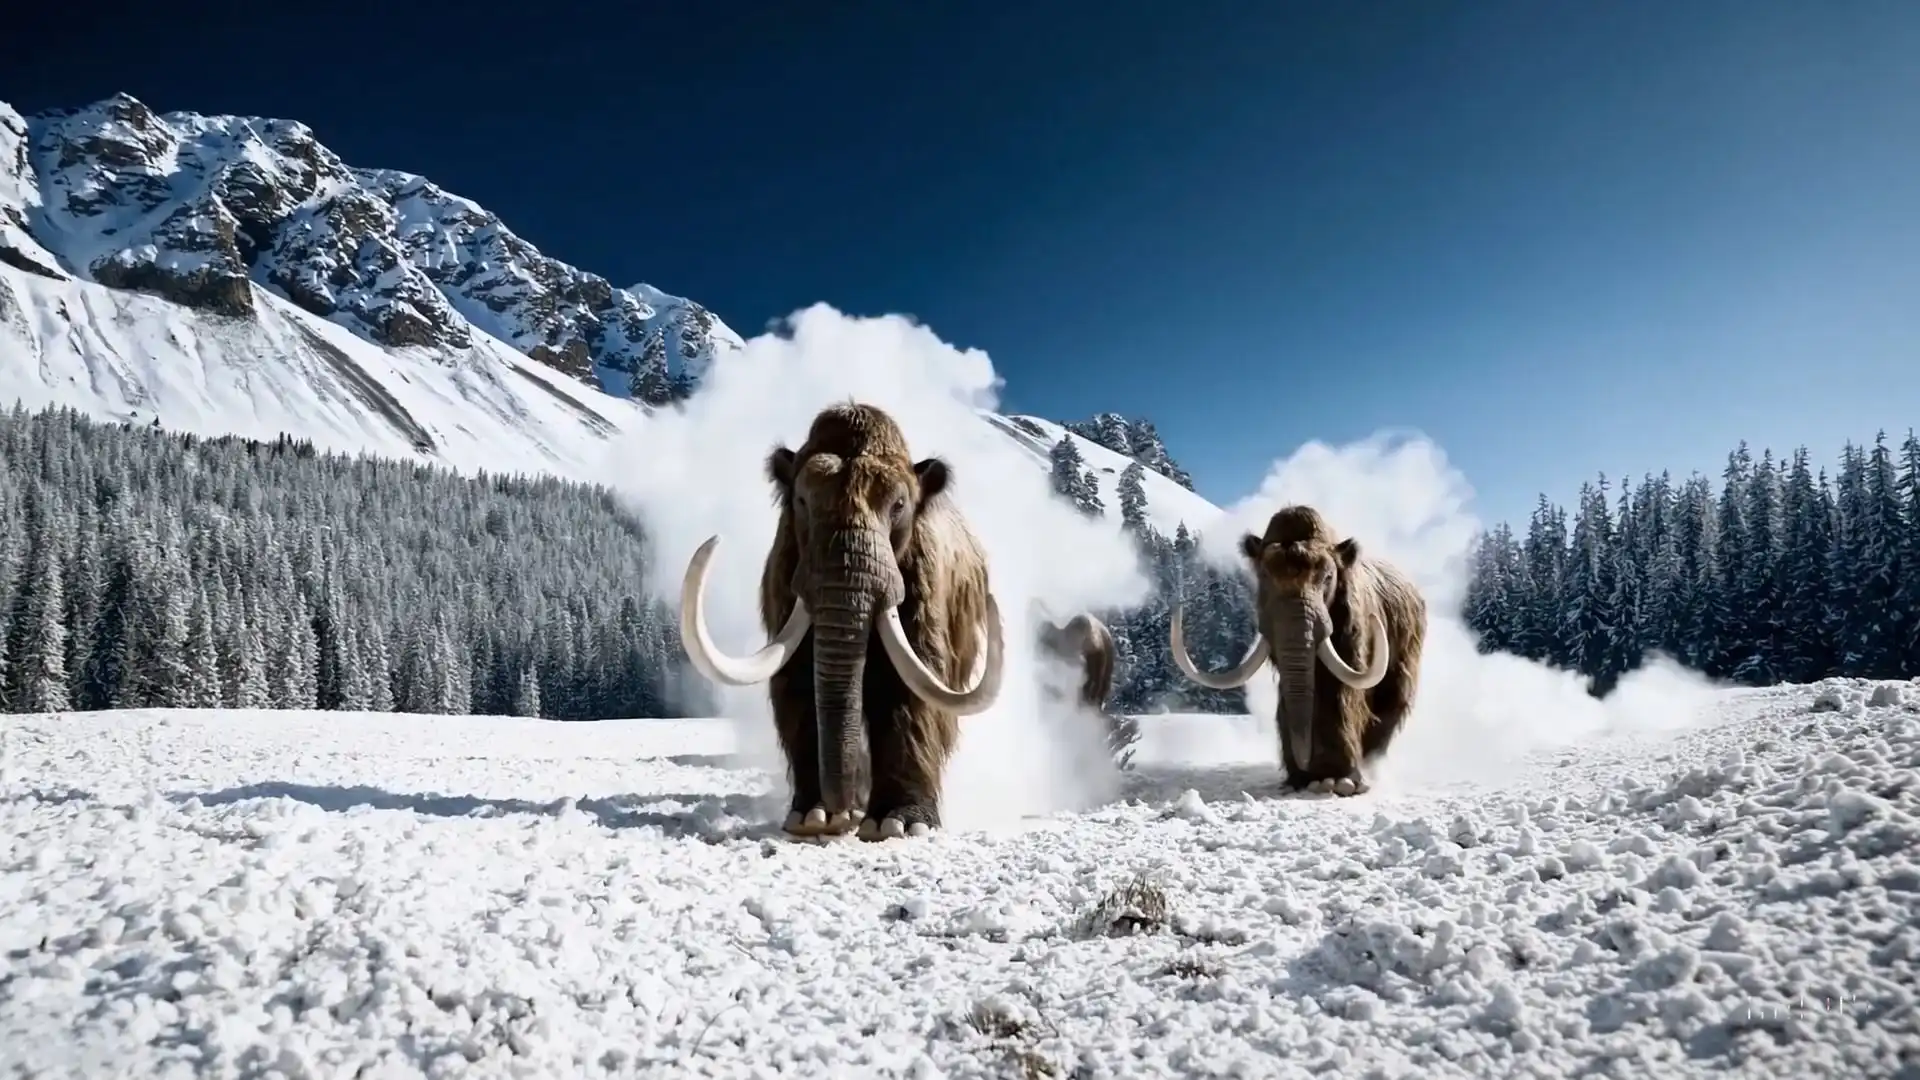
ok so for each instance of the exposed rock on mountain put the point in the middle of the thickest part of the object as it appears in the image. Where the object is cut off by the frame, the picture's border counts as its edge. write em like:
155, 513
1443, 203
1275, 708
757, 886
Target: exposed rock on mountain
192, 208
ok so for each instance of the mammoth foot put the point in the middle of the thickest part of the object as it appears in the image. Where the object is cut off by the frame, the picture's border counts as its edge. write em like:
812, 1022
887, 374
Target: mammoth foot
1351, 784
896, 824
817, 822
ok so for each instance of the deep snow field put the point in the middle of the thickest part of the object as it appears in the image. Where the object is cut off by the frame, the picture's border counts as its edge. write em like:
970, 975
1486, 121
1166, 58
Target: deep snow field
334, 895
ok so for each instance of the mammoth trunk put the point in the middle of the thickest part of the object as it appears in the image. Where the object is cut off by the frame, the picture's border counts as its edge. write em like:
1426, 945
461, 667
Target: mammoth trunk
1297, 631
848, 595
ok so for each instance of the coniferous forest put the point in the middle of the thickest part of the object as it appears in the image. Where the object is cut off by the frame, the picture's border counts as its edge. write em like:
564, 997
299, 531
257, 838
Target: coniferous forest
144, 568
1783, 574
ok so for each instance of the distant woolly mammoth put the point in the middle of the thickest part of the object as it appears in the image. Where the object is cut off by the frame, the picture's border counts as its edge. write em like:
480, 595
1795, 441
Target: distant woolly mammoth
1084, 640
875, 594
1323, 606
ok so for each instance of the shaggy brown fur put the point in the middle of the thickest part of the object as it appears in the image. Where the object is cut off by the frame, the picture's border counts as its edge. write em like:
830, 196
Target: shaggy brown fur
1300, 551
853, 463
1087, 640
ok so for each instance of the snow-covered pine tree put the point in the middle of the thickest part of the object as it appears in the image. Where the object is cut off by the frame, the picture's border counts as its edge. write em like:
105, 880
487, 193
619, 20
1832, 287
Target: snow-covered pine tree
1131, 491
1885, 626
200, 682
1540, 635
1697, 601
37, 632
1805, 639
1490, 589
1909, 599
1758, 593
526, 700
1588, 621
1067, 467
1086, 496
1848, 561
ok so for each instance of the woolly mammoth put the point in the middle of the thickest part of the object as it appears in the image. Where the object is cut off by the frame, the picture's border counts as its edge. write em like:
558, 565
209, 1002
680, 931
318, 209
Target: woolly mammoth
1323, 606
875, 594
1087, 641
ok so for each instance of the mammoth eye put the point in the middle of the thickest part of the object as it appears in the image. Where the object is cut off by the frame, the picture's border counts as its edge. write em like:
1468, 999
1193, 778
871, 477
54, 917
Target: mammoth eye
899, 507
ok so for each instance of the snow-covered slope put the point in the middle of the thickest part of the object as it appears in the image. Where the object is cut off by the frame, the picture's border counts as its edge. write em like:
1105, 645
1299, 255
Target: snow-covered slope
119, 354
309, 894
1168, 504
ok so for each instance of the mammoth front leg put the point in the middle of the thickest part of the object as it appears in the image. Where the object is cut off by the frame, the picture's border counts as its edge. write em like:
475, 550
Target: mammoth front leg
911, 742
1333, 758
1342, 715
791, 694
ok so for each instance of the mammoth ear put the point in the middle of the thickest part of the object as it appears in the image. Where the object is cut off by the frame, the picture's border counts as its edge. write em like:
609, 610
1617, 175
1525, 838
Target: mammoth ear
934, 475
780, 465
1348, 552
1251, 546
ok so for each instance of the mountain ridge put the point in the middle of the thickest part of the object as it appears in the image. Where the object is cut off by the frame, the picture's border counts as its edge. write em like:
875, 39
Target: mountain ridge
190, 206
232, 275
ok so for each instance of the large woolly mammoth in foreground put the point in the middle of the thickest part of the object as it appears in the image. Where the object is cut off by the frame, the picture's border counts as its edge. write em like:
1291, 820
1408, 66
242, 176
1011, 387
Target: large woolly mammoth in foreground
1324, 606
875, 594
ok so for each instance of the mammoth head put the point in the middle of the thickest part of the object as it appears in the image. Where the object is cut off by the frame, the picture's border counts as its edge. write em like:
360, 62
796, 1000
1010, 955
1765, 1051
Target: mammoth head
1298, 558
850, 499
834, 504
1301, 568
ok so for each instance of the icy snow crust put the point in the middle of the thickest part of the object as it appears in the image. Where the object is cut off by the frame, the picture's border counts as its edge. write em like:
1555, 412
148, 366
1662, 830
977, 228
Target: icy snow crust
319, 894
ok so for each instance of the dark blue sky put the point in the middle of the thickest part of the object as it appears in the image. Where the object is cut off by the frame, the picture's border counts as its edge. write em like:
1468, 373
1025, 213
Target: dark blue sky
1559, 238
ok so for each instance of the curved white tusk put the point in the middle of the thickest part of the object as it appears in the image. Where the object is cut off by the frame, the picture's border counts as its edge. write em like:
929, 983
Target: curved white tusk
931, 688
1347, 673
706, 656
1237, 676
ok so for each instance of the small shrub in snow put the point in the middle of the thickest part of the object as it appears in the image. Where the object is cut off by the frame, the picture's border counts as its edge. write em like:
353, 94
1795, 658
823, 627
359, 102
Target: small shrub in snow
1138, 907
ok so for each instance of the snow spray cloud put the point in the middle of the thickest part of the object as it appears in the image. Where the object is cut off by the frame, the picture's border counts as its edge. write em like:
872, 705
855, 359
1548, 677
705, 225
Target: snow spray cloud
692, 472
1474, 713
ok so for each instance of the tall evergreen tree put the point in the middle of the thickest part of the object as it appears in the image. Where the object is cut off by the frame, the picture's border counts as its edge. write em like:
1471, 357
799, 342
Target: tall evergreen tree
1132, 494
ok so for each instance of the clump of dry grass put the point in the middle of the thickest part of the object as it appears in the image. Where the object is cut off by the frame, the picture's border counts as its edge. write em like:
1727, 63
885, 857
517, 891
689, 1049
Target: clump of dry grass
1138, 907
1190, 966
1013, 1036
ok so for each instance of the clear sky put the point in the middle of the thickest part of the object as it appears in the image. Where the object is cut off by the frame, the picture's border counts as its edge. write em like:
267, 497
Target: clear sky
1558, 238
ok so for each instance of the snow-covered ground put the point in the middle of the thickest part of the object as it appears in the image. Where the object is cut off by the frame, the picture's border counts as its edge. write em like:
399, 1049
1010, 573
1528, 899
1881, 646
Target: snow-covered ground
327, 895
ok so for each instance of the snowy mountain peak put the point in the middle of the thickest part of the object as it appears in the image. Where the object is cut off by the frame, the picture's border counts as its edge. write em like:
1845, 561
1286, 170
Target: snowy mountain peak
192, 208
232, 275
